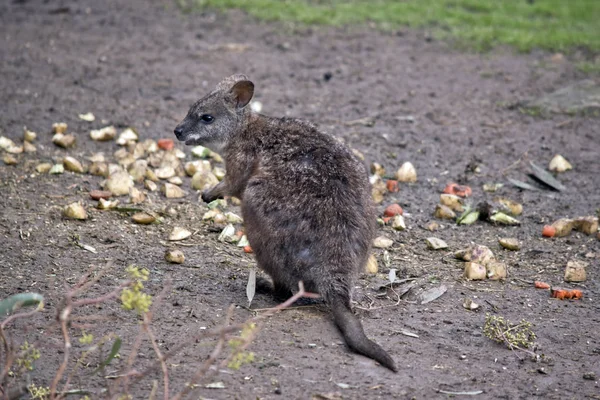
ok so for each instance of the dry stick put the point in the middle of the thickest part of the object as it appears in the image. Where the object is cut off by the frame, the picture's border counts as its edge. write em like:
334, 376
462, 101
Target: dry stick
247, 341
82, 285
138, 340
63, 317
102, 299
211, 359
96, 300
370, 308
147, 320
163, 364
137, 376
523, 157
225, 330
9, 354
81, 360
514, 346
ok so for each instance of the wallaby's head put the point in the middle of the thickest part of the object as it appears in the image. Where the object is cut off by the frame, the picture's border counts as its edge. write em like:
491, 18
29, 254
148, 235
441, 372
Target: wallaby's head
213, 119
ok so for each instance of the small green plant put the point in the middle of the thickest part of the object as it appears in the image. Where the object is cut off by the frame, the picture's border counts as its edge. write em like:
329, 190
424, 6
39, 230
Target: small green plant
133, 298
514, 336
29, 354
238, 345
86, 338
38, 392
589, 67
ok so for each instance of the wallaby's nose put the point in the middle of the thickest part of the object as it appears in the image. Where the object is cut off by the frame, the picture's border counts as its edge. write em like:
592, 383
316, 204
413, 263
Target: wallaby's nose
178, 131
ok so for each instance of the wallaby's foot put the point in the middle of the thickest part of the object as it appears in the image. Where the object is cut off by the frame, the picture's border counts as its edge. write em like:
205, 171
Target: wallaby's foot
280, 293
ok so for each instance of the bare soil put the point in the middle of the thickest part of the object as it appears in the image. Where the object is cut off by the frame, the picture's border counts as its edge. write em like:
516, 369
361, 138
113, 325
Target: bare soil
142, 63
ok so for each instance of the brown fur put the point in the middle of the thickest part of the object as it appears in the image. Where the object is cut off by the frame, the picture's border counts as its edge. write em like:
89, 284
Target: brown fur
305, 200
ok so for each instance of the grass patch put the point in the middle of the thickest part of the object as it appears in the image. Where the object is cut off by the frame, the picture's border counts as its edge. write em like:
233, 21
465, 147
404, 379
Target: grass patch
556, 25
589, 67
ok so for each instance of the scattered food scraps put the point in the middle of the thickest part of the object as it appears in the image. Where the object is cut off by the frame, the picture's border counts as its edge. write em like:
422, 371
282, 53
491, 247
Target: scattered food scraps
565, 294
174, 256
392, 210
88, 117
436, 244
510, 243
575, 271
458, 190
541, 285
165, 144
548, 231
392, 186
443, 212
406, 173
559, 164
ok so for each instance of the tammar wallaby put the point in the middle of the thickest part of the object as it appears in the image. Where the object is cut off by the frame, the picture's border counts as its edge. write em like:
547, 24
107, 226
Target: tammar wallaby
306, 200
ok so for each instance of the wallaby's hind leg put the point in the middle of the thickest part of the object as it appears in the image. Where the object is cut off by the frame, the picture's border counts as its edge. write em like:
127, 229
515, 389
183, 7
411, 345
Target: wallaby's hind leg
278, 291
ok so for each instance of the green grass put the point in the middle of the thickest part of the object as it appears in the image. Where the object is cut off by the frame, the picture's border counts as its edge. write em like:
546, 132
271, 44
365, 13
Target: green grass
589, 67
556, 25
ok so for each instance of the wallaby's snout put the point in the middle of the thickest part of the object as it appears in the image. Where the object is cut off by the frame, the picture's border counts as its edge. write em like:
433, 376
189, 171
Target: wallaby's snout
179, 133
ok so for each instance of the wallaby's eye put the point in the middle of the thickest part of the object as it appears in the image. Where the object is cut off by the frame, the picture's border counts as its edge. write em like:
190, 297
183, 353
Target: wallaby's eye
206, 118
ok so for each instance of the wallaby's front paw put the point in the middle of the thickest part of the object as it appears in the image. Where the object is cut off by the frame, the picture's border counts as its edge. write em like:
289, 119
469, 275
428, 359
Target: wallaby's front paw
208, 196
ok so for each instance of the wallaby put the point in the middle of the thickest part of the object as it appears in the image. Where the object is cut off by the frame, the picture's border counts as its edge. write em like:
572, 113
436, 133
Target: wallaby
306, 200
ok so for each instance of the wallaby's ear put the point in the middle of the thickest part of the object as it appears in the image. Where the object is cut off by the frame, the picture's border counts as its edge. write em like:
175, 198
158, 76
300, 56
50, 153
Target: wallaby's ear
241, 93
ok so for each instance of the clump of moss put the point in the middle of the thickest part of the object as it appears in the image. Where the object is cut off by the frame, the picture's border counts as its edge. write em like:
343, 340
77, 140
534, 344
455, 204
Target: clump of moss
515, 336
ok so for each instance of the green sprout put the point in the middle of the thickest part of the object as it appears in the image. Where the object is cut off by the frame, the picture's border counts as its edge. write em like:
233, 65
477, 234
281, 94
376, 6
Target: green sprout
29, 355
237, 345
38, 392
133, 298
86, 338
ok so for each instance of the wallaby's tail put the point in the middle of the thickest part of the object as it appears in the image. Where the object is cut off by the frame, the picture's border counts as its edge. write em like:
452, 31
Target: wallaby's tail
355, 337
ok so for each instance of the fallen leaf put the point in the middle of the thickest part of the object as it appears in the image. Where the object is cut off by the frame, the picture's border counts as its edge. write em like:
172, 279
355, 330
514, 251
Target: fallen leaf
392, 275
546, 178
407, 333
215, 385
522, 185
251, 286
366, 121
468, 393
429, 295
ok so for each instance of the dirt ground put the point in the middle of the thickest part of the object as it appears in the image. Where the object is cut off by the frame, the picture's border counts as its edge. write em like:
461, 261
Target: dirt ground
142, 63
